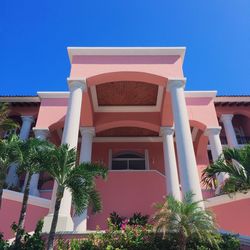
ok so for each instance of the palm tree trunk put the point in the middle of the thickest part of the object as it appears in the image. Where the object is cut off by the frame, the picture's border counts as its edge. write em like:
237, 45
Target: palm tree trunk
1, 190
59, 196
183, 241
23, 210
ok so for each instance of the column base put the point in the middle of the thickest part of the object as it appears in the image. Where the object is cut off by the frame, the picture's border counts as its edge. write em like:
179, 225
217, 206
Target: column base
80, 222
64, 223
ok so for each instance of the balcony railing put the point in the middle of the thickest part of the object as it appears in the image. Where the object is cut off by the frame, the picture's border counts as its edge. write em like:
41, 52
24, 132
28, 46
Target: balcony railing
241, 140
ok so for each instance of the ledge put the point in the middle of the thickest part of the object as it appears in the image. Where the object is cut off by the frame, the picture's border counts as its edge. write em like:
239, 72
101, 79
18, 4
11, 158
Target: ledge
225, 198
33, 200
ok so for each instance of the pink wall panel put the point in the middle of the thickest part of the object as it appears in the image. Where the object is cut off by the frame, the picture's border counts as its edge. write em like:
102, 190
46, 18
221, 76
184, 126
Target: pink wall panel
127, 192
9, 213
234, 216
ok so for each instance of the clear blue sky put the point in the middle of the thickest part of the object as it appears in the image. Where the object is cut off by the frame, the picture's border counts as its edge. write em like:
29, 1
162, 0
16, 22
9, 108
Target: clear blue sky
34, 36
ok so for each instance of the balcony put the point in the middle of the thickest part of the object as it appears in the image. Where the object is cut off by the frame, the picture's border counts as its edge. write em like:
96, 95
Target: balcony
242, 140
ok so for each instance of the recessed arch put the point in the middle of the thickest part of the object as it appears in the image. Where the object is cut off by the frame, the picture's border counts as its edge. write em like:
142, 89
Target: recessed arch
126, 76
127, 123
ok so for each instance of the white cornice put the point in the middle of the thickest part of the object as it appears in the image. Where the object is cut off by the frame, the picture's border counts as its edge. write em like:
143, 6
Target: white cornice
198, 94
62, 94
33, 200
126, 51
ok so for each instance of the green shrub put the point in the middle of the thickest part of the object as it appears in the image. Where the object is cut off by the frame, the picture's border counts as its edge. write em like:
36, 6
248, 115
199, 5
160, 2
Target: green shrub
136, 219
28, 242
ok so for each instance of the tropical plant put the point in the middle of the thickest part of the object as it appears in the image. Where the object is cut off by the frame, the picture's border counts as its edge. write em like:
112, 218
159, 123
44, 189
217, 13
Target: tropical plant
186, 220
5, 122
9, 153
138, 219
61, 162
29, 241
234, 162
33, 154
121, 221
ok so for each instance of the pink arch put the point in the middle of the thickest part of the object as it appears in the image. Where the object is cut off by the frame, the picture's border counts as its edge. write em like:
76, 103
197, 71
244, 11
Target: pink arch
126, 76
127, 123
197, 124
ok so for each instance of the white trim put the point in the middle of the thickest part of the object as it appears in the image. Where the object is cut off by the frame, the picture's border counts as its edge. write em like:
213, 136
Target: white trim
126, 51
128, 139
224, 199
59, 94
143, 108
140, 171
33, 200
19, 99
198, 94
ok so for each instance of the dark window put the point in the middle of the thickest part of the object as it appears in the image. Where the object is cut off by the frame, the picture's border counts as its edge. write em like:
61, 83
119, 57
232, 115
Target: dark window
128, 161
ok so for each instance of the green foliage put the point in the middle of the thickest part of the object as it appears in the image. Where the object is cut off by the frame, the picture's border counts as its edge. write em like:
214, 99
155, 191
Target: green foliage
5, 122
28, 242
185, 219
229, 241
138, 219
144, 238
60, 163
234, 162
135, 219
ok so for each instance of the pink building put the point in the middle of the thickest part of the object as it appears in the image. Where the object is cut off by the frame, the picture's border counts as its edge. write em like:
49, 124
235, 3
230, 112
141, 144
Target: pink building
128, 108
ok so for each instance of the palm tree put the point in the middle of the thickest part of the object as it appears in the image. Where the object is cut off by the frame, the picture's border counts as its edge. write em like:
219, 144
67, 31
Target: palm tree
33, 151
9, 153
187, 220
5, 122
80, 180
236, 163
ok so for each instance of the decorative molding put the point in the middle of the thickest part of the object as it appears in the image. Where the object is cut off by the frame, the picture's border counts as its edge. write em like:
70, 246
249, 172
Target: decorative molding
127, 139
224, 199
61, 94
33, 200
212, 131
126, 51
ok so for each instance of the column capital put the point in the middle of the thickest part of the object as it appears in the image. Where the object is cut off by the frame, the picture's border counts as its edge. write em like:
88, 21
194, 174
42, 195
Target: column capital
176, 83
27, 118
166, 131
75, 83
87, 130
212, 131
226, 117
41, 133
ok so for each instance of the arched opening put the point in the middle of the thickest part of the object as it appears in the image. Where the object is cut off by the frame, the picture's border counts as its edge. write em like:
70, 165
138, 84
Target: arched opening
241, 124
128, 160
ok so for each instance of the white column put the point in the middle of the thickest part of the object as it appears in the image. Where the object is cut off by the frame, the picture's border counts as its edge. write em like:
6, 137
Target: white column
12, 178
216, 150
80, 222
186, 158
41, 134
229, 130
70, 136
171, 173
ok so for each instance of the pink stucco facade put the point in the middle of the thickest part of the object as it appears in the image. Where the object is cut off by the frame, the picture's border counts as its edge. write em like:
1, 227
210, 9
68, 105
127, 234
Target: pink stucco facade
127, 102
